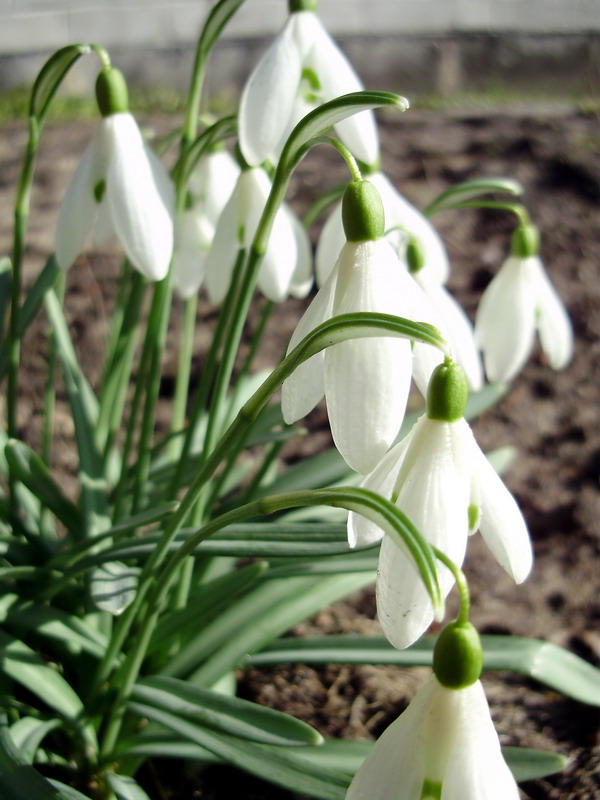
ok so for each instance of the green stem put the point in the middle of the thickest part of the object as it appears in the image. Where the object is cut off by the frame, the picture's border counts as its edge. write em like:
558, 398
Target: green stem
514, 208
182, 383
351, 162
461, 585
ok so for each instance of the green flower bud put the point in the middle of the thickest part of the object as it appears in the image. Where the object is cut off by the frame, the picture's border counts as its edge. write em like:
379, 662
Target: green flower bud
111, 92
302, 5
362, 212
415, 255
447, 392
457, 655
525, 241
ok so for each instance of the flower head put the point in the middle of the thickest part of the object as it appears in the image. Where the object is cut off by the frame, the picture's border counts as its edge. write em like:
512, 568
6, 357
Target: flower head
302, 69
440, 479
286, 265
519, 301
365, 381
443, 747
119, 188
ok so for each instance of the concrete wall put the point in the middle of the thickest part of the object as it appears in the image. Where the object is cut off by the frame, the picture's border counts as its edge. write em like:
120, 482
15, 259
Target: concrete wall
425, 44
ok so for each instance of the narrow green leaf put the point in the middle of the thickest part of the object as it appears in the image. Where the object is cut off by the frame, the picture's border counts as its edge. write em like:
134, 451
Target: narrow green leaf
275, 764
125, 788
28, 468
547, 663
20, 781
356, 561
23, 665
220, 712
28, 733
219, 16
527, 764
5, 284
469, 190
50, 77
113, 586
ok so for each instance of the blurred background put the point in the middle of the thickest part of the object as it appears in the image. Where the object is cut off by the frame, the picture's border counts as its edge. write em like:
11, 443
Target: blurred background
430, 49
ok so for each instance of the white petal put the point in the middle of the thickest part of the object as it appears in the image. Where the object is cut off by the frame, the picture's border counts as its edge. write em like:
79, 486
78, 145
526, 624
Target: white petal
367, 380
502, 525
434, 495
476, 769
268, 97
140, 197
553, 323
329, 246
505, 321
212, 184
224, 250
103, 230
280, 260
337, 77
78, 208
395, 769
194, 234
456, 328
399, 212
304, 388
302, 279
362, 531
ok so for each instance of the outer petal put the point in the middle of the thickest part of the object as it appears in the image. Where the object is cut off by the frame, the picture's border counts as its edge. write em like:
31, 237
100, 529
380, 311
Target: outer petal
367, 380
553, 323
476, 768
304, 388
140, 198
502, 525
302, 279
456, 327
505, 322
223, 252
395, 767
329, 246
434, 495
399, 212
194, 234
78, 208
268, 98
281, 258
337, 77
213, 183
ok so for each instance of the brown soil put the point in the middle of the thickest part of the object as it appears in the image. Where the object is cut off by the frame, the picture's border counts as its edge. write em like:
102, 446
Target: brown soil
552, 419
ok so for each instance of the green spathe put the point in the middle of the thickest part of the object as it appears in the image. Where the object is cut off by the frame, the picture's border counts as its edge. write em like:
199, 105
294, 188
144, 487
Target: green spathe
362, 212
447, 392
111, 92
458, 655
525, 241
302, 5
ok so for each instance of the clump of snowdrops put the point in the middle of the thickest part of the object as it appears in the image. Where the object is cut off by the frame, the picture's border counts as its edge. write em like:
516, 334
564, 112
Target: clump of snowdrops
126, 611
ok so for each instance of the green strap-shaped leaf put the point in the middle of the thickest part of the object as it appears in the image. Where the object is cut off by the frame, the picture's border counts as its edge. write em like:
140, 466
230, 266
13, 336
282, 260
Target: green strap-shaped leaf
28, 733
469, 190
545, 662
23, 665
113, 586
50, 77
125, 788
28, 468
274, 764
5, 284
20, 781
224, 713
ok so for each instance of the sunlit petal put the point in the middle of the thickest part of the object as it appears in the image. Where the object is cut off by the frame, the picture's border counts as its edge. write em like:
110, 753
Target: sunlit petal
77, 211
553, 323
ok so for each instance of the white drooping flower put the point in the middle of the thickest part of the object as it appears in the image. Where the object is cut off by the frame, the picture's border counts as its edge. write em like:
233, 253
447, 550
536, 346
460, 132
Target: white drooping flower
443, 747
210, 189
440, 479
302, 69
119, 188
365, 381
519, 301
287, 264
402, 220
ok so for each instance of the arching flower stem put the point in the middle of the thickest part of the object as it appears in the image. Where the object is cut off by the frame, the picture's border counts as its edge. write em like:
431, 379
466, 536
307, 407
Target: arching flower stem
462, 586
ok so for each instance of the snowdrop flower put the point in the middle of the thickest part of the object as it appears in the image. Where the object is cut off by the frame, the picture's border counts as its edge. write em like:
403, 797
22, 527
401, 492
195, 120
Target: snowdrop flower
441, 480
443, 747
287, 263
519, 301
302, 69
402, 220
119, 188
365, 381
210, 189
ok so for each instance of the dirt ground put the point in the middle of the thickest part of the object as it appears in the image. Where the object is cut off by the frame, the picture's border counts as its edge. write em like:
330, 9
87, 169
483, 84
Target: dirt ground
552, 419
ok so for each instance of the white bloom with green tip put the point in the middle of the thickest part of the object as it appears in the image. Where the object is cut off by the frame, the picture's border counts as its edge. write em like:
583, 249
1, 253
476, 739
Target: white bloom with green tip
443, 747
287, 264
440, 479
119, 188
519, 301
302, 69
